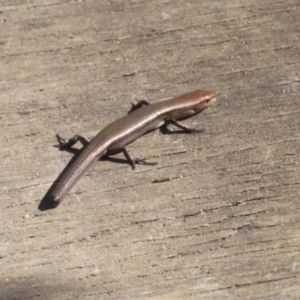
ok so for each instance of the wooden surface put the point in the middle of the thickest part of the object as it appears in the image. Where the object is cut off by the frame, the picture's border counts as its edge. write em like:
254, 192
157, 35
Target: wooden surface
226, 226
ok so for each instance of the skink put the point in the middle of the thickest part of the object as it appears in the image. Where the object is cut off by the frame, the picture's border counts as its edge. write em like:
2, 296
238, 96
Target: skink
143, 118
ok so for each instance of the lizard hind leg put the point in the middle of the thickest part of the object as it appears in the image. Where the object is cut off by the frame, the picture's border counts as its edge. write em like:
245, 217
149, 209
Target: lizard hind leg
67, 144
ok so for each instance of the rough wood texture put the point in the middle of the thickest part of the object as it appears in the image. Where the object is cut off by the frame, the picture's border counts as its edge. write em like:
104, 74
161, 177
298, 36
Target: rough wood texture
226, 226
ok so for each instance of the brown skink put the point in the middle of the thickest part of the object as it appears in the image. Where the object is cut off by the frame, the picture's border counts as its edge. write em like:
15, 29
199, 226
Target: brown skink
143, 118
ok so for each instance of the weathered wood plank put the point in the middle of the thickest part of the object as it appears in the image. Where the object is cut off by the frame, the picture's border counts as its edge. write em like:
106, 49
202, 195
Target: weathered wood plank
227, 225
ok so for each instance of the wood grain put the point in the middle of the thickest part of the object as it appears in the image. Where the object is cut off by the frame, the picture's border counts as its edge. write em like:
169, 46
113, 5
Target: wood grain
226, 226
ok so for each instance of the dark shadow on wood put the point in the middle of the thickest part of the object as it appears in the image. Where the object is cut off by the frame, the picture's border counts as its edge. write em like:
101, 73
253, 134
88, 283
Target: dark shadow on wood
165, 130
